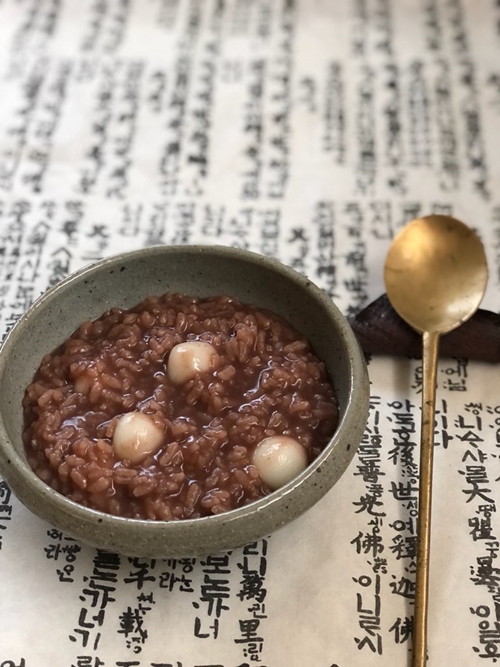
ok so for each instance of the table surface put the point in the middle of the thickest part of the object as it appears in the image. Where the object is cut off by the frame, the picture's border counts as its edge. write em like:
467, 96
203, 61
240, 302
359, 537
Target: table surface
307, 130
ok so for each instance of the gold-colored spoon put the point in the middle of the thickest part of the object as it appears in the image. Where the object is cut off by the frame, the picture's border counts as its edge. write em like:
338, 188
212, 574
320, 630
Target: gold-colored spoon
435, 276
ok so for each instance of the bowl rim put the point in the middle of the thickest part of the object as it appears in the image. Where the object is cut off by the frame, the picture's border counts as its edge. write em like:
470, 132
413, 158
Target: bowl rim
358, 384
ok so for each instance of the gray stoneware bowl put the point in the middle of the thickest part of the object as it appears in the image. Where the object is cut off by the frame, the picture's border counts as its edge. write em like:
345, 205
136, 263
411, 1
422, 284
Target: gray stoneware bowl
123, 281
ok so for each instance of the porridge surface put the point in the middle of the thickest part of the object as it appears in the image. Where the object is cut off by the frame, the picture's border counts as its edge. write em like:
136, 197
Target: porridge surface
122, 419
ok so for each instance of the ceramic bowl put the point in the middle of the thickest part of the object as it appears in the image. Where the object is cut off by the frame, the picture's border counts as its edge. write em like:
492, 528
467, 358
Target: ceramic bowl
123, 281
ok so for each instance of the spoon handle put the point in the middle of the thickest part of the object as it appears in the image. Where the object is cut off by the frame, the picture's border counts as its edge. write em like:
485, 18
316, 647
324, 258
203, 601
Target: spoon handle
430, 357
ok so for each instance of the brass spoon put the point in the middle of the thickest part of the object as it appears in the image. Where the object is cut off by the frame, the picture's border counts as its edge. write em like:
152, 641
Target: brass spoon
435, 276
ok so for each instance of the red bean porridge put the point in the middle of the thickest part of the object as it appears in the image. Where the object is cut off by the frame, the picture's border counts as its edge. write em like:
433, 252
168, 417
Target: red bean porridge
261, 380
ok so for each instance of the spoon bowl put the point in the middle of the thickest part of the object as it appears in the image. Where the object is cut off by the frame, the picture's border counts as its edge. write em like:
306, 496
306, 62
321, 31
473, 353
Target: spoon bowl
436, 273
